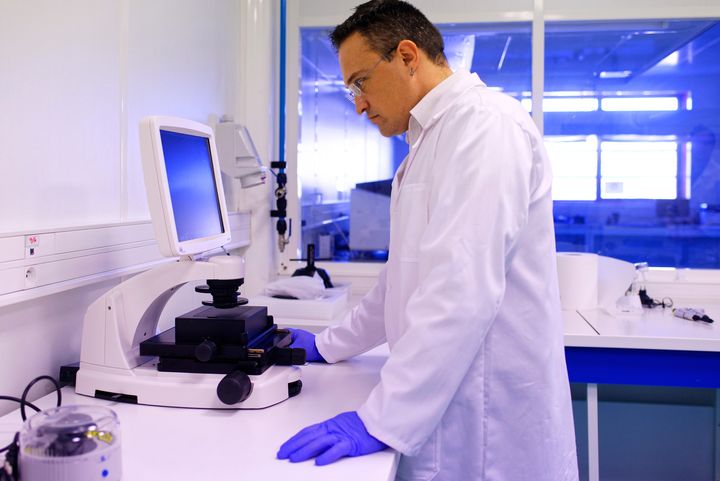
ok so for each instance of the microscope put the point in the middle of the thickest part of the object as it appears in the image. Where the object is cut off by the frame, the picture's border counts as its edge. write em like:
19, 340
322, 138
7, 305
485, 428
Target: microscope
225, 354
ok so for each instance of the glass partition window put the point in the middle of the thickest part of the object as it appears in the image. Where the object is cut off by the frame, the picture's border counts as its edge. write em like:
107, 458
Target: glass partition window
345, 167
632, 118
633, 100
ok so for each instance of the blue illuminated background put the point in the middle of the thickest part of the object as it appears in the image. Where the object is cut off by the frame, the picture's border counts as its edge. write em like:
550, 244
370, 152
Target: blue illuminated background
632, 119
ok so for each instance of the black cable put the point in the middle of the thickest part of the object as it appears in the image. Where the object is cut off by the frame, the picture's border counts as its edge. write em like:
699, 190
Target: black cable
648, 301
23, 398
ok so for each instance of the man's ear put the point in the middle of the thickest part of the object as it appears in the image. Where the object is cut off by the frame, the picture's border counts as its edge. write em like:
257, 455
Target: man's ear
409, 53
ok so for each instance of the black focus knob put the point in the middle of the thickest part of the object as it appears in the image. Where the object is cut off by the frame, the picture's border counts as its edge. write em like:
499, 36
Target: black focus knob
234, 388
205, 350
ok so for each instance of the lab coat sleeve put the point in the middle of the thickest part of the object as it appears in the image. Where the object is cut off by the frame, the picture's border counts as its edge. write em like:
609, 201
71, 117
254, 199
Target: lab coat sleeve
478, 202
362, 328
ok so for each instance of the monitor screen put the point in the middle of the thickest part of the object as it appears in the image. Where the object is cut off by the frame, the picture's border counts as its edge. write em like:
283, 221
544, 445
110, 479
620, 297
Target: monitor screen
191, 180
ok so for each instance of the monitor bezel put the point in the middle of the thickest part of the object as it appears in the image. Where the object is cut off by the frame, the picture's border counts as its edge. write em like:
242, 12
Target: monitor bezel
158, 188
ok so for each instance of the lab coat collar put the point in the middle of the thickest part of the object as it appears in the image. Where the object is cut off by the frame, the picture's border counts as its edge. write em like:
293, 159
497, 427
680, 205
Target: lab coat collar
437, 100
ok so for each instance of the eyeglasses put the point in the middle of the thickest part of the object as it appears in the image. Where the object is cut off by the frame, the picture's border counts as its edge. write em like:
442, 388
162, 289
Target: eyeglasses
355, 89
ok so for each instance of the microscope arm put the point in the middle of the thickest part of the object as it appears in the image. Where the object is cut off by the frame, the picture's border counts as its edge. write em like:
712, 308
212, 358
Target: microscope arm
117, 322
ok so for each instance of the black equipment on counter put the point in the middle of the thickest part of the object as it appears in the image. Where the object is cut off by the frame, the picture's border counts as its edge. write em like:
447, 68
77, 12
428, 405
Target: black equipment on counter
225, 337
310, 270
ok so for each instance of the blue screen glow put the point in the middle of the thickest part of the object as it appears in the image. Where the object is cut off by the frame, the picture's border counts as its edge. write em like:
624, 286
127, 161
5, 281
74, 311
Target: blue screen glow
191, 180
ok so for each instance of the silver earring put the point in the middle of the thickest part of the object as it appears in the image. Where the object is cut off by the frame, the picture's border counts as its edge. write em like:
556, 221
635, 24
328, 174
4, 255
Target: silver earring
412, 71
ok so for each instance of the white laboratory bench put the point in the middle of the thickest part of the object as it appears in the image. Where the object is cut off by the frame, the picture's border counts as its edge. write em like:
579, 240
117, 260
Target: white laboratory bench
655, 328
651, 348
188, 444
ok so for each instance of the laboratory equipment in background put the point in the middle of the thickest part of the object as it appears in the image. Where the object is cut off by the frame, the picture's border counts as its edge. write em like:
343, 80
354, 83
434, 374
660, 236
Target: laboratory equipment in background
237, 153
222, 355
370, 216
308, 295
673, 211
709, 214
240, 159
79, 443
310, 270
590, 281
692, 314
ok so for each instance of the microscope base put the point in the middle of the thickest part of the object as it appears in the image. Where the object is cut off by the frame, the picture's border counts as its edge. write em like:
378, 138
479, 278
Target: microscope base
146, 385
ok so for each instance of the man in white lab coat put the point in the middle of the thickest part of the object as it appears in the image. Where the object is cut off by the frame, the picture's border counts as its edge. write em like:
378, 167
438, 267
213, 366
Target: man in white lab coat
476, 386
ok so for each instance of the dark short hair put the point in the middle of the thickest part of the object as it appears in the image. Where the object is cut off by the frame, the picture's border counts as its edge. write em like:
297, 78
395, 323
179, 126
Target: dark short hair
385, 23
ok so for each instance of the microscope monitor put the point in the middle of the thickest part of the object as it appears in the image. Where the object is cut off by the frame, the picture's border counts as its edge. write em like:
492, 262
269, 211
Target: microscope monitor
184, 185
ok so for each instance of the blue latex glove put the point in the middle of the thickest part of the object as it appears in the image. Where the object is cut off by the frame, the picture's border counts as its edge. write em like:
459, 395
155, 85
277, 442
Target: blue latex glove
343, 435
306, 340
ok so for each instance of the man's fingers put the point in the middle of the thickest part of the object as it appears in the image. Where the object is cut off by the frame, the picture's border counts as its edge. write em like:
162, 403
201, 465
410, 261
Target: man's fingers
339, 450
299, 440
313, 448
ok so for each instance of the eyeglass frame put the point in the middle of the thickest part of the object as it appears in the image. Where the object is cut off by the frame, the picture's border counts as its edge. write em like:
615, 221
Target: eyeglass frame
355, 90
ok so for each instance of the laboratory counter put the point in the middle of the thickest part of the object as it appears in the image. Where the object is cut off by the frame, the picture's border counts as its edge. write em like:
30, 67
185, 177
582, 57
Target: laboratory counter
223, 445
175, 443
651, 348
655, 328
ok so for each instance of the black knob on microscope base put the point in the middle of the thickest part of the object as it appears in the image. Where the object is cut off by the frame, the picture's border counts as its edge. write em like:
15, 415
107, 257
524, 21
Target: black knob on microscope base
235, 387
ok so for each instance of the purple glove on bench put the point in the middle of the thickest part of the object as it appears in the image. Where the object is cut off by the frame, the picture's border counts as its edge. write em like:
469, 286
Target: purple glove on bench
343, 435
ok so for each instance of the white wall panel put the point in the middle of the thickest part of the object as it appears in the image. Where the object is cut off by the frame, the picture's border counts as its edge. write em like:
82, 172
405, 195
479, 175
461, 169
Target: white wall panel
181, 61
75, 78
37, 337
11, 248
59, 143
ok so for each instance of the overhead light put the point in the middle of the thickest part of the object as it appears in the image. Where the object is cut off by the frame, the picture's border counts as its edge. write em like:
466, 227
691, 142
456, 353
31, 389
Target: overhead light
565, 104
630, 104
582, 104
615, 73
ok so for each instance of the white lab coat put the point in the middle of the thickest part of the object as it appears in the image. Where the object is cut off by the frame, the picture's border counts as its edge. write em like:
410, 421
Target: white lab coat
476, 386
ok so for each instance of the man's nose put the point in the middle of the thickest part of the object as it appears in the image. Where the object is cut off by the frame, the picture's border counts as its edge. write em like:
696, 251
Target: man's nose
361, 104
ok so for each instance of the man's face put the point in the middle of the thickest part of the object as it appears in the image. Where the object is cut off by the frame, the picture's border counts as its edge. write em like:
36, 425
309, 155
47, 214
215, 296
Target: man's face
386, 91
